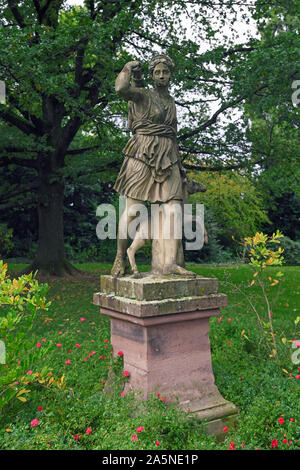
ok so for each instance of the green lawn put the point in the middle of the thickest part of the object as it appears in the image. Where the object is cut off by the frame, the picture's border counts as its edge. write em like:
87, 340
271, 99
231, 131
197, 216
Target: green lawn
245, 374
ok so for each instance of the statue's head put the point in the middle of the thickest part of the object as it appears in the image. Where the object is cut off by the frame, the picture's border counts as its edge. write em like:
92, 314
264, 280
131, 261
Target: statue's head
161, 68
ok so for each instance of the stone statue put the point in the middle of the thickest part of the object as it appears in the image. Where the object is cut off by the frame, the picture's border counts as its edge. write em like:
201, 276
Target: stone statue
151, 170
144, 229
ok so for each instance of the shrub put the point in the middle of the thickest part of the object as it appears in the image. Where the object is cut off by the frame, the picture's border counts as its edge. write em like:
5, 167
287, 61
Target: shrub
6, 240
20, 300
291, 251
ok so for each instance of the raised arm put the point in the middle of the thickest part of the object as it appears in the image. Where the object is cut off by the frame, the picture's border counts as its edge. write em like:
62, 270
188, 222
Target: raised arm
123, 86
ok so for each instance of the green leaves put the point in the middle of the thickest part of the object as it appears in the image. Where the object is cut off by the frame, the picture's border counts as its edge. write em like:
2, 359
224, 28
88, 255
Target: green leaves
20, 300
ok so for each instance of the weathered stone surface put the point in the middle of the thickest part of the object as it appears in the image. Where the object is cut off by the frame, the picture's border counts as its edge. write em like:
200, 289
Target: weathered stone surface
158, 287
152, 308
165, 341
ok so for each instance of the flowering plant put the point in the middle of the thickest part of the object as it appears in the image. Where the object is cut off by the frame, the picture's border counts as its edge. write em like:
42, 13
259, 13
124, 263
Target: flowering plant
20, 300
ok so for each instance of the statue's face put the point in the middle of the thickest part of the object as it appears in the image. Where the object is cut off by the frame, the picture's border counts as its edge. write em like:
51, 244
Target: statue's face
161, 75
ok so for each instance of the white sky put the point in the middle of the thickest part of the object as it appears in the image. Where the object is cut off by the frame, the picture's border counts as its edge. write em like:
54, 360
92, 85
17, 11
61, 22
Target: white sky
241, 27
236, 33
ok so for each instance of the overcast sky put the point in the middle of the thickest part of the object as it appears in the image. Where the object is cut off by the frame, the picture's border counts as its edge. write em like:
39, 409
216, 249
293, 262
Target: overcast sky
237, 33
242, 29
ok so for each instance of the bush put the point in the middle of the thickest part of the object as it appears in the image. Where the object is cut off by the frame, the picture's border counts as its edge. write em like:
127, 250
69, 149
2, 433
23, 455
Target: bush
213, 251
291, 251
20, 300
6, 240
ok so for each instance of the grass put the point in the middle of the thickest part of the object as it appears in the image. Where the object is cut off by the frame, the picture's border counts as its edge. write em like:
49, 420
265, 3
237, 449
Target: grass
244, 372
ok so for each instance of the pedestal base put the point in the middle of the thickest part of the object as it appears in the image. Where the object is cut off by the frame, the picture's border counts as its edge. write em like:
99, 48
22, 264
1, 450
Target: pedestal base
215, 415
165, 341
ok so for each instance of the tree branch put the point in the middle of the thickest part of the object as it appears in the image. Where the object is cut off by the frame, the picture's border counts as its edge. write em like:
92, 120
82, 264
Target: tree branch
210, 121
235, 166
17, 192
16, 203
29, 163
80, 151
21, 124
38, 10
13, 8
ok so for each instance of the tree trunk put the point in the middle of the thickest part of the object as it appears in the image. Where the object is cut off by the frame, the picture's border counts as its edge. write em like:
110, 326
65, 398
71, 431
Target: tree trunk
50, 257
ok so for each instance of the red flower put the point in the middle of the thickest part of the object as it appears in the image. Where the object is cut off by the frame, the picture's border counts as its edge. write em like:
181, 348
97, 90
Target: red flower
88, 431
76, 437
285, 441
281, 421
38, 344
140, 429
40, 408
34, 423
163, 399
225, 429
274, 443
82, 319
120, 353
229, 342
126, 373
157, 443
106, 341
58, 345
134, 437
68, 361
292, 419
231, 446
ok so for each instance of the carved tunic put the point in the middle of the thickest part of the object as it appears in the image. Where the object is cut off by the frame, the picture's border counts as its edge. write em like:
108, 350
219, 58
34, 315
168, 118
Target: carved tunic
150, 170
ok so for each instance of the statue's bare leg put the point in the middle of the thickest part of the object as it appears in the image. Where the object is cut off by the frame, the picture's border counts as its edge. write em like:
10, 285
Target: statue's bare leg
173, 213
134, 247
119, 265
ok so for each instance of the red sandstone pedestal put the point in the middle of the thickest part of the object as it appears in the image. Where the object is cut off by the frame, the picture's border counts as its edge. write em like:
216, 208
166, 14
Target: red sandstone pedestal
162, 326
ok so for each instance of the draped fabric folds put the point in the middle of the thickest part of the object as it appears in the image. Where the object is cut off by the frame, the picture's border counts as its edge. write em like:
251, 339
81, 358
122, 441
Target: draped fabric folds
150, 170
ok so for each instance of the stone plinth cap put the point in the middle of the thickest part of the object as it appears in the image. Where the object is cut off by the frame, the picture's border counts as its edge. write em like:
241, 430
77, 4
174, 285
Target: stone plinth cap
144, 308
153, 287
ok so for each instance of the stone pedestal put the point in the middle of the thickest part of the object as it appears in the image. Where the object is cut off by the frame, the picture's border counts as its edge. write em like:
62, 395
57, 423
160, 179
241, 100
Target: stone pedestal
162, 326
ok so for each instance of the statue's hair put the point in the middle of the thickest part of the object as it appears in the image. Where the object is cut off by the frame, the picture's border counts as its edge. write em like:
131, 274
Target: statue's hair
161, 58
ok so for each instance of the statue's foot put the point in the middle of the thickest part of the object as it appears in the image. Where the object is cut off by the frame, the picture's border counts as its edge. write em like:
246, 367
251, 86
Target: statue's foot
118, 268
131, 258
175, 269
136, 275
128, 268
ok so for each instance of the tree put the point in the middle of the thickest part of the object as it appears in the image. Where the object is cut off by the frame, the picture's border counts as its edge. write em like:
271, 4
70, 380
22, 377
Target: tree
59, 64
236, 204
56, 84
